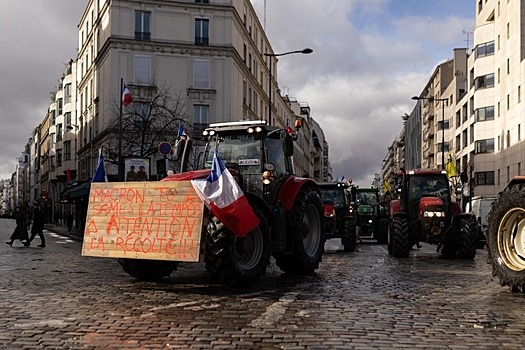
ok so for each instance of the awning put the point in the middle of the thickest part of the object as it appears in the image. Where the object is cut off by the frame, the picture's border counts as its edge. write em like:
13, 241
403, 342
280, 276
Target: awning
76, 191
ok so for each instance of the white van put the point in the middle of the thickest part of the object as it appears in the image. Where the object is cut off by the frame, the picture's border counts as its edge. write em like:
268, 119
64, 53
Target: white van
480, 208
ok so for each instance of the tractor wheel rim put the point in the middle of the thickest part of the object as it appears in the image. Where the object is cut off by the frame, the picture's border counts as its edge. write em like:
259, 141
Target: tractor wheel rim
511, 239
249, 249
312, 235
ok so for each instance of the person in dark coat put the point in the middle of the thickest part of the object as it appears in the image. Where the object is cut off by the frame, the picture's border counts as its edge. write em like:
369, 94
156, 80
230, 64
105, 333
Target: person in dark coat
69, 222
38, 225
20, 231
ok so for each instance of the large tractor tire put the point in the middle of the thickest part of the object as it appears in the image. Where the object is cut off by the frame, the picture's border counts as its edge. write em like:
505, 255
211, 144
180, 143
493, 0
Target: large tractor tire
381, 230
506, 238
349, 236
236, 260
308, 237
468, 241
465, 246
399, 236
148, 270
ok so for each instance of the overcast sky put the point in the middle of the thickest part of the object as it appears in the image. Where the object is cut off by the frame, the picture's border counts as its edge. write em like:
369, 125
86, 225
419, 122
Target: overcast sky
370, 57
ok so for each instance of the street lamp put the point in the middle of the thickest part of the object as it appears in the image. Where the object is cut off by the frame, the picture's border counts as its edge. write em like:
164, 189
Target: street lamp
303, 51
442, 100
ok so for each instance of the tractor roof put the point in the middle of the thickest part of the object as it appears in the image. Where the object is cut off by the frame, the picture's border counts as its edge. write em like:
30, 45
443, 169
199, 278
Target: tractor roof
425, 172
240, 125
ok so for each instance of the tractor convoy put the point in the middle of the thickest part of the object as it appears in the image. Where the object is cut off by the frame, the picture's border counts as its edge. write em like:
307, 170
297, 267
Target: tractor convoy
153, 226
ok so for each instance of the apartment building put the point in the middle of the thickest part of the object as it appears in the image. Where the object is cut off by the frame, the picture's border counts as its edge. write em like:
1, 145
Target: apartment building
210, 55
480, 123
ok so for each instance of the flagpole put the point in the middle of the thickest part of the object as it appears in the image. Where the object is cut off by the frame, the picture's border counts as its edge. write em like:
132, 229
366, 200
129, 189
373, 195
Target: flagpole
119, 150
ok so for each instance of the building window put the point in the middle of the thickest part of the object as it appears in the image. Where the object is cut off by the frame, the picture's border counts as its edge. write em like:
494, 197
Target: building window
52, 117
447, 146
60, 105
484, 178
201, 73
59, 132
142, 25
442, 124
200, 117
201, 31
485, 49
59, 157
141, 112
484, 81
484, 114
202, 1
67, 118
142, 69
67, 93
67, 150
484, 146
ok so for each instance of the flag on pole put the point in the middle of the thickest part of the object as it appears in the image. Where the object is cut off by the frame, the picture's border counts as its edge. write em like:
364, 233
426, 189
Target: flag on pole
68, 176
450, 167
100, 172
386, 185
182, 133
224, 197
126, 96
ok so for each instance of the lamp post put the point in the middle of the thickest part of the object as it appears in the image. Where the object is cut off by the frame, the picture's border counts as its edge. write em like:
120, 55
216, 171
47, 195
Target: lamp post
303, 51
442, 100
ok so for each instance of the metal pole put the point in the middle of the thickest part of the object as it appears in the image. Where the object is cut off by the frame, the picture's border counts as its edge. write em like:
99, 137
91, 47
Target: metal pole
119, 150
270, 93
442, 134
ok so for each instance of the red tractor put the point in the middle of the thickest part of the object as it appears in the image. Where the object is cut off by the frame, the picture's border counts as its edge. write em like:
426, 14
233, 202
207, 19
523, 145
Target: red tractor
424, 212
506, 235
290, 209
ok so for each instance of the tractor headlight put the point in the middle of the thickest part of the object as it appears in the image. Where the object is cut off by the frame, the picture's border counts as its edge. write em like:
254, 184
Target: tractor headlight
434, 214
267, 177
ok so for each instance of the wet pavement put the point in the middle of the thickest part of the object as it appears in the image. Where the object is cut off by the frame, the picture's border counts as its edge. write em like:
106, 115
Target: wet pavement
53, 298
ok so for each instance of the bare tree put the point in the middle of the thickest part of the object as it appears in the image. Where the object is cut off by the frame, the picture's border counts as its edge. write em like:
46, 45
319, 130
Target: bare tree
154, 117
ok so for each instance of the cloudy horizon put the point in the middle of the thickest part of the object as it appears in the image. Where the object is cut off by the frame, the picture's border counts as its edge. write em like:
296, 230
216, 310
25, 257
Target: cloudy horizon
369, 58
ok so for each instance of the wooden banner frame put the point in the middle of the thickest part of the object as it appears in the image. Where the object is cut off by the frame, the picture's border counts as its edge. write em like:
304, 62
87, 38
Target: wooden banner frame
144, 220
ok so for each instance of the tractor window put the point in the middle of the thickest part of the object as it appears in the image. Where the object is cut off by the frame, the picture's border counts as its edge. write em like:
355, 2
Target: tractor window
429, 185
242, 150
366, 198
337, 197
275, 155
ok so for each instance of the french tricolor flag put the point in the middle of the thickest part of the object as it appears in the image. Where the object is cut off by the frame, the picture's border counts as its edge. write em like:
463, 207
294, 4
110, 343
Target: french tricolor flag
225, 199
126, 96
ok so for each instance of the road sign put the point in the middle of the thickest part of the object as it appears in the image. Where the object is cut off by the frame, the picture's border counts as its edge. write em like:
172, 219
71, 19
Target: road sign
165, 148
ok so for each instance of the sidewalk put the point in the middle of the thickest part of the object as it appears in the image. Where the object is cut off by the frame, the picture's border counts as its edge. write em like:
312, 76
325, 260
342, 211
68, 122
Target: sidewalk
76, 234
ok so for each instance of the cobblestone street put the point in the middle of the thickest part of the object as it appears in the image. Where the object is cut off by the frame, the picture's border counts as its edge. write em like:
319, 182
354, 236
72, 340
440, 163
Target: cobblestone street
53, 298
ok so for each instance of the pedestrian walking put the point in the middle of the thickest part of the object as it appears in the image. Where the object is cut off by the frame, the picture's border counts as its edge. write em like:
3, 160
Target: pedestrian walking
20, 231
69, 222
38, 225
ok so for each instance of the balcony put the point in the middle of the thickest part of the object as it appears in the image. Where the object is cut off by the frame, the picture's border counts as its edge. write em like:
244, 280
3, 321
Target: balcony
145, 36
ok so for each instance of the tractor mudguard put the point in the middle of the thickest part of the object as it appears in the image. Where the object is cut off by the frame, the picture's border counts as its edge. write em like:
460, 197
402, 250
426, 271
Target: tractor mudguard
395, 207
291, 187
